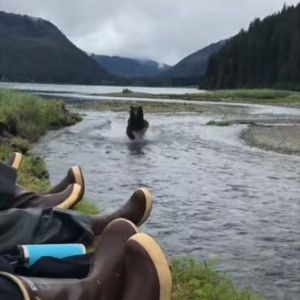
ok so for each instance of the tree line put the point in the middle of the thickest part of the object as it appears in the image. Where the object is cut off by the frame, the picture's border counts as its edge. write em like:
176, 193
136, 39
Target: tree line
266, 55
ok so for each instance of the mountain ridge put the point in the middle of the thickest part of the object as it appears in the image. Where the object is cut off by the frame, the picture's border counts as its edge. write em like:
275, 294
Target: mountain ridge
35, 50
129, 67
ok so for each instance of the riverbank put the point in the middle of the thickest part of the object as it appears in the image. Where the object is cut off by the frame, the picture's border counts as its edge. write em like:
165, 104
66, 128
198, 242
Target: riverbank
24, 119
258, 96
161, 107
283, 139
192, 280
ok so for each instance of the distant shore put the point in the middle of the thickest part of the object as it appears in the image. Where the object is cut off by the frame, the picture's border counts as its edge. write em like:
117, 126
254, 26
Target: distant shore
161, 107
259, 96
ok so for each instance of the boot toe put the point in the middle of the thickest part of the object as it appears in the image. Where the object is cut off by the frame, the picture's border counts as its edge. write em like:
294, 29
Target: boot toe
143, 200
15, 160
146, 262
77, 176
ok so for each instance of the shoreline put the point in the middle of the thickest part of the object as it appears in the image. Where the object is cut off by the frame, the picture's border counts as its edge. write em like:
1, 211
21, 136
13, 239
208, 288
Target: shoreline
284, 139
268, 97
159, 107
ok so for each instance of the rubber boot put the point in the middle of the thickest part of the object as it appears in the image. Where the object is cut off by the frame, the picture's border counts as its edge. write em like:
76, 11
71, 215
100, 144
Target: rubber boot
66, 199
74, 175
137, 210
105, 280
14, 160
148, 276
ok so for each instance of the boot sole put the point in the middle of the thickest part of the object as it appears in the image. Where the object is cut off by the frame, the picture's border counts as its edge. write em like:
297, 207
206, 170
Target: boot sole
77, 173
73, 199
149, 204
78, 177
15, 160
160, 263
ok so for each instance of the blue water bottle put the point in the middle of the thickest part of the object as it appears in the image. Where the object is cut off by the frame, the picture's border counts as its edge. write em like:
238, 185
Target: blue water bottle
27, 255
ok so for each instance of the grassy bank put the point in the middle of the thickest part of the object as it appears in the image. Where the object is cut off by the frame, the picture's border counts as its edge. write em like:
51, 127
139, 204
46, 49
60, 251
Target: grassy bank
161, 107
31, 118
266, 96
28, 118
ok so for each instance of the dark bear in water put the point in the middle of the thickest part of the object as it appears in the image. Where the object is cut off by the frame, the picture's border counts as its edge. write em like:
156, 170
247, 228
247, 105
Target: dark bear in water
136, 125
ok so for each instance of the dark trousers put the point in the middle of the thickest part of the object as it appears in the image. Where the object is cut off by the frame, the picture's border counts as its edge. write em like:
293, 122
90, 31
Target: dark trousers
9, 290
8, 177
43, 226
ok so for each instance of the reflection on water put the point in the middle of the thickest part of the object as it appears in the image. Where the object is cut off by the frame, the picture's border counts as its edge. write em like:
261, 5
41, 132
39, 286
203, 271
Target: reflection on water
136, 147
212, 193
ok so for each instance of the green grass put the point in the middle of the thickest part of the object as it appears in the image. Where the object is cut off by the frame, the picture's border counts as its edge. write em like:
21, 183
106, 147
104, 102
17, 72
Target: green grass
253, 94
201, 281
30, 116
241, 95
87, 207
218, 123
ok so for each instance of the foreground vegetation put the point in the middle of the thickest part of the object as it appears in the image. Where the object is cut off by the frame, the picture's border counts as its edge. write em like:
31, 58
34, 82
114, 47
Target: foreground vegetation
259, 96
27, 117
31, 118
201, 281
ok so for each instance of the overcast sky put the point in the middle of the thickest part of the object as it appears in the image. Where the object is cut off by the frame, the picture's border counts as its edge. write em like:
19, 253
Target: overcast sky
162, 30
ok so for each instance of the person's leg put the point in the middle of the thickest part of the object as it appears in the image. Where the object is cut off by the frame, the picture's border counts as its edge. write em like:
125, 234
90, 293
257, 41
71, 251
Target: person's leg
67, 198
5, 266
105, 280
123, 262
38, 226
8, 176
137, 209
65, 194
57, 226
9, 290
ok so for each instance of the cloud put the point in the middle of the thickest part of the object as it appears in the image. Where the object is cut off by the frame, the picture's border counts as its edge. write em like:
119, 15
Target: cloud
162, 30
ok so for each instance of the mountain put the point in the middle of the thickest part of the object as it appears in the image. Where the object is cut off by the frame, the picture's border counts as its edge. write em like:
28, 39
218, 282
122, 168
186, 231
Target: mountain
266, 55
34, 50
189, 69
128, 67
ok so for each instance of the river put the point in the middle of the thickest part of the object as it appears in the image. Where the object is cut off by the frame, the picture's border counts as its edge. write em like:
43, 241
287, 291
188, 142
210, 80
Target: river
213, 194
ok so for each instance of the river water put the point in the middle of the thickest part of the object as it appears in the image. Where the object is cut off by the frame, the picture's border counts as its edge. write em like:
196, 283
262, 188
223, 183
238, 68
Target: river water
93, 89
213, 194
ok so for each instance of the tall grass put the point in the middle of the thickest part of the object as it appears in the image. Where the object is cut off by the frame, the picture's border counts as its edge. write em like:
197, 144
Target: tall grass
253, 95
200, 281
24, 113
29, 116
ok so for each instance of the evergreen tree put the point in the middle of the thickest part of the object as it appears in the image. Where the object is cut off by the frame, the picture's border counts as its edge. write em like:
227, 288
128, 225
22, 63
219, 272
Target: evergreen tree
266, 55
